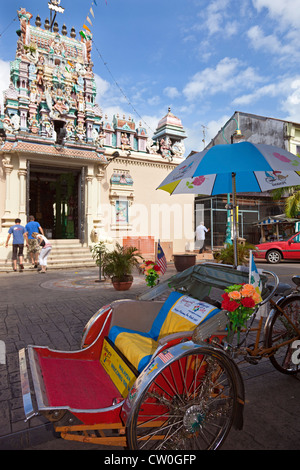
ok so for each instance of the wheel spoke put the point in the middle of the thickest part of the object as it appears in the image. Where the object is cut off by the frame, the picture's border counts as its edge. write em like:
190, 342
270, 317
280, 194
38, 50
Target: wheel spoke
282, 330
189, 405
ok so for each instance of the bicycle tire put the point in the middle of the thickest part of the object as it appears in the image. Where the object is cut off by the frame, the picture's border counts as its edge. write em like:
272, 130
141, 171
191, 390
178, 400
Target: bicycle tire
280, 330
191, 404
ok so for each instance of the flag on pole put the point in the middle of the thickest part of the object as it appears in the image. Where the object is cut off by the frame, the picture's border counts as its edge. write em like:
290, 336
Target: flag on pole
161, 259
254, 277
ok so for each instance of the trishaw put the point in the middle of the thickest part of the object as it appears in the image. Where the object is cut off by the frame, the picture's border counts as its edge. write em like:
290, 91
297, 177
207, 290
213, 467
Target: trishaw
158, 373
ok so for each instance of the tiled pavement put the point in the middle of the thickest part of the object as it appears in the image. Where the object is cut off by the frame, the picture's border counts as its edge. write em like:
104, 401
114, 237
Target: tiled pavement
46, 310
52, 310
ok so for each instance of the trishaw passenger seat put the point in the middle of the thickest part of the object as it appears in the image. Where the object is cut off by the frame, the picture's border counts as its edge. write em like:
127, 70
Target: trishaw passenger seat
179, 313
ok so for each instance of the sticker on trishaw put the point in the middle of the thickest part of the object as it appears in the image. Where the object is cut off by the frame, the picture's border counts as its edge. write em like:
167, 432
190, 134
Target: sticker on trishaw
121, 375
193, 310
165, 356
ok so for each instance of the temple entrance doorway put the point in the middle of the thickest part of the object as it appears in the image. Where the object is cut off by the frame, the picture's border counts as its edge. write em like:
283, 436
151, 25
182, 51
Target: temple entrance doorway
54, 198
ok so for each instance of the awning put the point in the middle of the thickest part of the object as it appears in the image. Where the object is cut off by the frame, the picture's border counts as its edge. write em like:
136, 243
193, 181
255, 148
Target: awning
277, 219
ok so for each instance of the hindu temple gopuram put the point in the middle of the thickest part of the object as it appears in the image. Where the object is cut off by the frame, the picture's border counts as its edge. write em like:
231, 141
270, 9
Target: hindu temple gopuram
82, 175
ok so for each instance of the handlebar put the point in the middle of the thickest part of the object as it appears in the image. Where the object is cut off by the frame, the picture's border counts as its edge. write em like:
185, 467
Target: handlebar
274, 288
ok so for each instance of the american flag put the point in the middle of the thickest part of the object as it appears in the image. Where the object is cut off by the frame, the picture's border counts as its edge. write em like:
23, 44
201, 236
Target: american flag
161, 259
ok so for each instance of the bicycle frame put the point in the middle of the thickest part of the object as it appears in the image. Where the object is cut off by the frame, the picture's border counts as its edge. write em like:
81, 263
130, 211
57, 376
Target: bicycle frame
259, 352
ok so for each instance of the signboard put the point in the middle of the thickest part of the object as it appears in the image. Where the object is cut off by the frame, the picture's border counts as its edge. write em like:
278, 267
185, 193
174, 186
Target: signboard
119, 372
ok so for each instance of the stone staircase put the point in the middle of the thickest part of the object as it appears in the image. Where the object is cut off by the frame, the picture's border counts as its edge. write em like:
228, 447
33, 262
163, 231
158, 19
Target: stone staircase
64, 254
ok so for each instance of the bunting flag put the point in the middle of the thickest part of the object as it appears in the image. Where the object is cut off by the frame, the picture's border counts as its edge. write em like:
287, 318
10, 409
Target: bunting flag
89, 21
83, 34
86, 27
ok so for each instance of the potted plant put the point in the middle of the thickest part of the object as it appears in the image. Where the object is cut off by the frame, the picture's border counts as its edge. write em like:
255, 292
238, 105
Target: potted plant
226, 255
184, 261
119, 264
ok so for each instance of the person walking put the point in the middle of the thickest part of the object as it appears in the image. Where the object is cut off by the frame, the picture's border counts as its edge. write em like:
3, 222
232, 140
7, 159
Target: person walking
200, 235
46, 248
33, 248
18, 232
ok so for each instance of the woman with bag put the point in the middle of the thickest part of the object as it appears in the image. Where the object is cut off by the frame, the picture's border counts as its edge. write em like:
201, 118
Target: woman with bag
45, 250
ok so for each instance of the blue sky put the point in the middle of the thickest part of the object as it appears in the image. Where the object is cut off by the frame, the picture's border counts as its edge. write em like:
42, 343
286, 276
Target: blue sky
203, 59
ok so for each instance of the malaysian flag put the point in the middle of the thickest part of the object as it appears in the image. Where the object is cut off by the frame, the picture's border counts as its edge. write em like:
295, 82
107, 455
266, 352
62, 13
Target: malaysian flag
165, 356
161, 259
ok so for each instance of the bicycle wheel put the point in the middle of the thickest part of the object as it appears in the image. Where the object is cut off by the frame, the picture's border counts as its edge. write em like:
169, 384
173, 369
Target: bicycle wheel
281, 330
189, 405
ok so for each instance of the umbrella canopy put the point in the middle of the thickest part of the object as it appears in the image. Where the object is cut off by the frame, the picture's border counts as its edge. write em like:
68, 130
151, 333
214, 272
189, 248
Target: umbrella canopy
242, 167
256, 167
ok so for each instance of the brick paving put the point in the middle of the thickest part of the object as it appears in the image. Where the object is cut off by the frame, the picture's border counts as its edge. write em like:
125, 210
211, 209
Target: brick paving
52, 310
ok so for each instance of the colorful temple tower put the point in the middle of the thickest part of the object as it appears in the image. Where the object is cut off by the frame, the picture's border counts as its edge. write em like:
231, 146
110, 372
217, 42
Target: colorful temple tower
62, 160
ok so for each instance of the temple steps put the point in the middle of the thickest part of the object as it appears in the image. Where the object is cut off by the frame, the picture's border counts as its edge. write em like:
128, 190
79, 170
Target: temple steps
64, 254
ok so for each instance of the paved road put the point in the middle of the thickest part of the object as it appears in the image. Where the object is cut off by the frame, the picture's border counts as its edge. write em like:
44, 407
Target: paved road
53, 309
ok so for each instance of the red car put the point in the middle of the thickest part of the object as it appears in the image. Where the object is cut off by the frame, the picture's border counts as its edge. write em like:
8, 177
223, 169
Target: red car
273, 252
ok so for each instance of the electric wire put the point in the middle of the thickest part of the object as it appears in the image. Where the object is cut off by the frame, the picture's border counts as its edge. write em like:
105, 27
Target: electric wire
120, 88
5, 29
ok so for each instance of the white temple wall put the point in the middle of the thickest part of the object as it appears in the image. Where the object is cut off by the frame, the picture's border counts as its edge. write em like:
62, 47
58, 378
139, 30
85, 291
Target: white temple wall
150, 212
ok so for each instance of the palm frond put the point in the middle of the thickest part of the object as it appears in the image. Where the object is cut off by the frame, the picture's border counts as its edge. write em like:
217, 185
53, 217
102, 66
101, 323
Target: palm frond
292, 205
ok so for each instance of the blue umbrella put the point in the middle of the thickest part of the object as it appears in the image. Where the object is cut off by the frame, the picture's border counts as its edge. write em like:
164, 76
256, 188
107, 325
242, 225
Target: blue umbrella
241, 167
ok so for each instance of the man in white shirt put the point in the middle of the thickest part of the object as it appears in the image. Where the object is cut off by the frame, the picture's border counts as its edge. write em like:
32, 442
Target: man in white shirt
200, 235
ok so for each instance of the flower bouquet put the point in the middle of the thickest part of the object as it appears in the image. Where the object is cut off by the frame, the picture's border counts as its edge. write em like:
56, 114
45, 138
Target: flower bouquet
152, 273
239, 300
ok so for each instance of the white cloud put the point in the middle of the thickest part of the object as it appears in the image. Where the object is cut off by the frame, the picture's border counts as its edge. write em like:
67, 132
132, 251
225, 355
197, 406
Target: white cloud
201, 134
102, 85
286, 13
291, 104
226, 75
271, 90
171, 92
150, 122
270, 43
154, 100
215, 15
217, 18
285, 92
4, 79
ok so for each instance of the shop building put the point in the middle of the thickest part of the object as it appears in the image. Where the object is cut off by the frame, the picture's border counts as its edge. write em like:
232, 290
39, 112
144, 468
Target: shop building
252, 207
